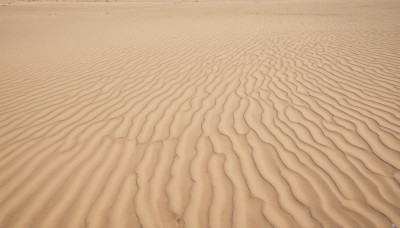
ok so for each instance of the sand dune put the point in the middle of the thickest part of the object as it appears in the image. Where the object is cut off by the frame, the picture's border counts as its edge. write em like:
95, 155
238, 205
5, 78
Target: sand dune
273, 114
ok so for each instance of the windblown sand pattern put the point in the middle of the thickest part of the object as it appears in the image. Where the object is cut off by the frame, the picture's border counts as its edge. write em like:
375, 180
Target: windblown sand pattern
275, 114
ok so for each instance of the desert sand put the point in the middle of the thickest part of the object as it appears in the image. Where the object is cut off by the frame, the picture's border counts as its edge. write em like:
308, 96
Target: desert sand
222, 114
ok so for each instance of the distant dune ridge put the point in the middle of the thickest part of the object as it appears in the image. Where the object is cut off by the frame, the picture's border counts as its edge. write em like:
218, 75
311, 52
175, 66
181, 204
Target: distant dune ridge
270, 114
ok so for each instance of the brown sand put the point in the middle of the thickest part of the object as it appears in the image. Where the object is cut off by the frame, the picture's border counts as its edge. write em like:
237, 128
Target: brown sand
281, 113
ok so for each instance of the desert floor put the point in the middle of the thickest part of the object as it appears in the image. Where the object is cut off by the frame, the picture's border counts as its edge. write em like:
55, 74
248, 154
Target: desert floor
262, 114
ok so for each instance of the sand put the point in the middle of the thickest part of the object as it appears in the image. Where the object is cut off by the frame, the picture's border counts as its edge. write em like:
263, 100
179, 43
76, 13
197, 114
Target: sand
258, 114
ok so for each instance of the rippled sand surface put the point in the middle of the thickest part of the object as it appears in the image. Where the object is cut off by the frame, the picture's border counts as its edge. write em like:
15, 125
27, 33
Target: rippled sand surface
260, 114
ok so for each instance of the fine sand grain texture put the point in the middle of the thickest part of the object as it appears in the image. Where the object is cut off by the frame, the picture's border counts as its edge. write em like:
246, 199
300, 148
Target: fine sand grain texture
260, 114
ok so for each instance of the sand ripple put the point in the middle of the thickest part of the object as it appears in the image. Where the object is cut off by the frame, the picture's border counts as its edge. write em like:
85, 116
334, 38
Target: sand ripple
278, 114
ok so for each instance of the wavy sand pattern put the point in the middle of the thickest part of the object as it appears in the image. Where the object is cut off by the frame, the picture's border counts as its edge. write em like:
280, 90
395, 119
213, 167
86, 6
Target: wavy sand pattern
275, 114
